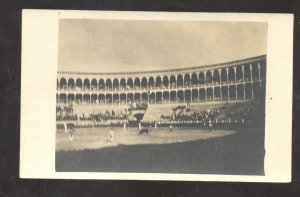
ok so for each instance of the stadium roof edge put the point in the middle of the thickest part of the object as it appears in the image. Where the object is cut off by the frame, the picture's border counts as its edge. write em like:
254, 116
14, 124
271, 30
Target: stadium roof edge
202, 68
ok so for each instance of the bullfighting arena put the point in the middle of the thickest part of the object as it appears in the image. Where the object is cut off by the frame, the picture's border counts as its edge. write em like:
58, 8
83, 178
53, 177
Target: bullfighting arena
217, 113
180, 151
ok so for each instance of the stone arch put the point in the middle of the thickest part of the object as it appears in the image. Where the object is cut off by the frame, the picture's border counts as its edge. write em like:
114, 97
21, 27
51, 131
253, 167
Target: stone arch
173, 81
166, 81
94, 84
179, 81
166, 96
123, 84
115, 84
216, 77
194, 79
71, 83
108, 98
86, 98
101, 85
224, 75
255, 72
130, 83
247, 72
158, 97
239, 74
201, 78
208, 77
79, 83
137, 83
78, 98
158, 81
94, 98
63, 83
108, 84
86, 84
144, 83
187, 80
188, 96
151, 83
231, 75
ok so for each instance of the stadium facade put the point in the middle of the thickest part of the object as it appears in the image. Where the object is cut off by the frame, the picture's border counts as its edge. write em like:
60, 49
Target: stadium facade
231, 81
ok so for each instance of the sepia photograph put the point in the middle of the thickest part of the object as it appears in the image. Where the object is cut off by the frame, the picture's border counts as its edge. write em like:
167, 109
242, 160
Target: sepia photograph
156, 96
161, 96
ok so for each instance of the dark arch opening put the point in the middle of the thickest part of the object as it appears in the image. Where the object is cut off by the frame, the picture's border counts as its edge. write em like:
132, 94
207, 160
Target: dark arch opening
86, 84
172, 81
94, 84
187, 80
179, 81
71, 84
216, 77
166, 81
208, 77
144, 83
101, 84
115, 84
108, 84
151, 83
63, 83
239, 74
158, 82
223, 76
231, 75
129, 83
79, 84
201, 78
137, 83
123, 84
194, 80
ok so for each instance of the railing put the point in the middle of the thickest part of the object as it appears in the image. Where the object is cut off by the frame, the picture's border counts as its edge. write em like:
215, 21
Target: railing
158, 88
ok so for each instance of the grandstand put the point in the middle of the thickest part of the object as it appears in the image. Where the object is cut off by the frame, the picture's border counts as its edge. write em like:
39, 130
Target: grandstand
221, 92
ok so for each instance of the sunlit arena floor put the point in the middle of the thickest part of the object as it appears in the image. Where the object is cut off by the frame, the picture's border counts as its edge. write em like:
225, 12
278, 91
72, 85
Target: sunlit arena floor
180, 151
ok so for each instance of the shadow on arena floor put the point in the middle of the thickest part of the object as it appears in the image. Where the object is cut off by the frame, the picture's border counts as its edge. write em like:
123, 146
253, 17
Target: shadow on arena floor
239, 154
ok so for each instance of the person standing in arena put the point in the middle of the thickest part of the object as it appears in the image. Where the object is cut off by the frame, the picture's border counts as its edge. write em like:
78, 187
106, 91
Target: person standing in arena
71, 133
65, 127
171, 128
124, 126
111, 134
210, 125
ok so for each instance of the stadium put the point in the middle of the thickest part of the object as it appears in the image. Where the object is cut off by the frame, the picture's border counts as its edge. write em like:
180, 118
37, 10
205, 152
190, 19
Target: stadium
189, 111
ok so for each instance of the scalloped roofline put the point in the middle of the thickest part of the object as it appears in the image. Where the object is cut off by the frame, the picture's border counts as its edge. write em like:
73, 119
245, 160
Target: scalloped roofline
203, 67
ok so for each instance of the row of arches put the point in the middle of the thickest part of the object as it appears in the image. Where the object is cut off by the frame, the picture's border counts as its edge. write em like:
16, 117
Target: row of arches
242, 73
232, 92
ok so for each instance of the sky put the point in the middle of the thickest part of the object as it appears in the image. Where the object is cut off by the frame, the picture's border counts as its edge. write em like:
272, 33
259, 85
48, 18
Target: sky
97, 45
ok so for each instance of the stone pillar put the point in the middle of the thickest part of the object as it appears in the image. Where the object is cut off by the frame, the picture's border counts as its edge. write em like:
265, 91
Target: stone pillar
228, 92
259, 77
234, 74
220, 77
243, 69
251, 81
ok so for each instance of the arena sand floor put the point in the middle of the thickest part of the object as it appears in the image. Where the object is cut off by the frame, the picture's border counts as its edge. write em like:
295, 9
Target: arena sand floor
232, 152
